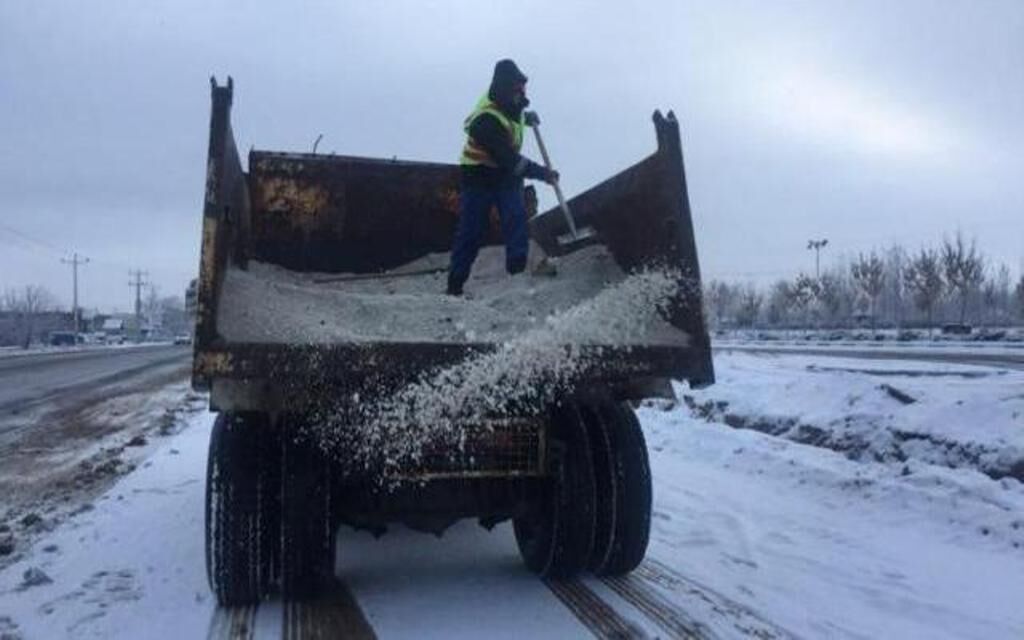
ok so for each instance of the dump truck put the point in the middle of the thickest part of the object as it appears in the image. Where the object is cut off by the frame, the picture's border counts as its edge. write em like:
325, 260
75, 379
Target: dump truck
292, 246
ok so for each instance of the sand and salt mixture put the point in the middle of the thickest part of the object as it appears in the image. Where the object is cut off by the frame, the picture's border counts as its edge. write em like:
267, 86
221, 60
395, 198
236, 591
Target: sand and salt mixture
269, 304
546, 329
523, 377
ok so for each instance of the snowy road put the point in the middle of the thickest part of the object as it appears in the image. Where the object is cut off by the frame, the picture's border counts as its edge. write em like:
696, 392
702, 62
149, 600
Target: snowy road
34, 379
754, 534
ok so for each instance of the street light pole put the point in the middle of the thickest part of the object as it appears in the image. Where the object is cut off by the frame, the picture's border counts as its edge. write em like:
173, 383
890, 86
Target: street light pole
817, 245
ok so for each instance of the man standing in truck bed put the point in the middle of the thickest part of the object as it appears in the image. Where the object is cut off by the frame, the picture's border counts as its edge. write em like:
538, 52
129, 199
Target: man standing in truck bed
492, 174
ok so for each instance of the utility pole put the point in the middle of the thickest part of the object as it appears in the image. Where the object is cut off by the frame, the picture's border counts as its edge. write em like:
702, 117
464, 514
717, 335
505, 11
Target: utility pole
74, 262
817, 245
138, 283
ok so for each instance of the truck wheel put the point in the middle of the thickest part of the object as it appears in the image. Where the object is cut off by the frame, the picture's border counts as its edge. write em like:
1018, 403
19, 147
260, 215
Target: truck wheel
307, 531
556, 536
242, 508
623, 480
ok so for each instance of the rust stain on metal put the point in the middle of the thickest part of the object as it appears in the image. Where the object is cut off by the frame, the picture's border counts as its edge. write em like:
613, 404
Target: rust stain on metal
276, 194
211, 181
207, 272
212, 363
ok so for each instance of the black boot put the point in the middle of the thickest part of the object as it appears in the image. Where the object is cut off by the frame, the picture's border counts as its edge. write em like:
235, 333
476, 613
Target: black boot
454, 286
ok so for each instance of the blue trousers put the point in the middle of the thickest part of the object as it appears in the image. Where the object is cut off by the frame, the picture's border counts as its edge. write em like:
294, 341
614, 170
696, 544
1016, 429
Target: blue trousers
474, 211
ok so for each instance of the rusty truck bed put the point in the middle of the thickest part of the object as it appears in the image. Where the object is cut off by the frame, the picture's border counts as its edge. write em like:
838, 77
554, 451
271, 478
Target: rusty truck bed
341, 214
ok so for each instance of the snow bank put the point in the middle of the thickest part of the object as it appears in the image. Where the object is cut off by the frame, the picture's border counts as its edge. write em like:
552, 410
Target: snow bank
889, 411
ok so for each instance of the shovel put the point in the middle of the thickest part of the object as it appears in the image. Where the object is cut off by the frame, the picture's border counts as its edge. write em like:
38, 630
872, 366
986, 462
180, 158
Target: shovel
575, 236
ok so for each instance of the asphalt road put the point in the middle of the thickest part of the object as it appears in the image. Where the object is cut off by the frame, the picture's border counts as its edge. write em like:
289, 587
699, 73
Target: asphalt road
999, 360
33, 380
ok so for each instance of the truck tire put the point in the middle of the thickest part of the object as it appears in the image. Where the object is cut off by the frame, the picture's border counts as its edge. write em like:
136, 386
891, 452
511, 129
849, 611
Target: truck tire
556, 536
242, 508
623, 480
307, 531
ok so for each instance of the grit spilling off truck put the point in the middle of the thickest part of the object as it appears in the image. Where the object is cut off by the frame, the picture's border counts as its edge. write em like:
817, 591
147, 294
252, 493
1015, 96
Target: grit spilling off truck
352, 391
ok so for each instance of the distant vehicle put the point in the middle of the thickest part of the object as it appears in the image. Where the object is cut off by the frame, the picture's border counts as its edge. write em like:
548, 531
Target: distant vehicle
956, 329
183, 338
65, 338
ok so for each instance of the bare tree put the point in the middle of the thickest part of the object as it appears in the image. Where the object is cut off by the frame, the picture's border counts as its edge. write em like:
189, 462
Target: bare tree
964, 269
868, 274
779, 303
749, 306
923, 278
151, 308
893, 295
833, 295
1003, 294
173, 318
9, 301
719, 298
27, 305
1019, 291
804, 292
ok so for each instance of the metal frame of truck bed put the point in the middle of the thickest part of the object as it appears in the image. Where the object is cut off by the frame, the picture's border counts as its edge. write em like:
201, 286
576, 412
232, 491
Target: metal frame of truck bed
330, 213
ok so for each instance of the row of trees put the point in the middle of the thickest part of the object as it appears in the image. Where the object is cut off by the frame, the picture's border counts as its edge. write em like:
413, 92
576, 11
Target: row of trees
28, 313
20, 311
892, 287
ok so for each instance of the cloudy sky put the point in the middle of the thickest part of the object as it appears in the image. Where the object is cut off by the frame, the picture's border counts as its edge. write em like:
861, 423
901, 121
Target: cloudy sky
866, 122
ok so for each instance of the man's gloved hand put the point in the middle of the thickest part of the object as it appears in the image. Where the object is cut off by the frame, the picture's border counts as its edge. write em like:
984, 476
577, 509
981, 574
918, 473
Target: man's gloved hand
550, 176
531, 118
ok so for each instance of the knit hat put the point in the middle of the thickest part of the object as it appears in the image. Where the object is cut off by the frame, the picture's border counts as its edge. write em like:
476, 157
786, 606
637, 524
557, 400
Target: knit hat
506, 74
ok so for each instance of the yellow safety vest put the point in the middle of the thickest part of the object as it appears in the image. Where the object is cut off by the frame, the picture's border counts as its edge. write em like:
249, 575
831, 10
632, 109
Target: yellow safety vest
474, 154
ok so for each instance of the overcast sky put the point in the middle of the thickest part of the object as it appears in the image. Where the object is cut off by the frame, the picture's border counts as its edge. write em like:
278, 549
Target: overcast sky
862, 122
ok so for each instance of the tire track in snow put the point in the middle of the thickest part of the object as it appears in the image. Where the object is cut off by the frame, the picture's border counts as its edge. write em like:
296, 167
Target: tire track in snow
336, 615
232, 623
672, 620
741, 617
596, 615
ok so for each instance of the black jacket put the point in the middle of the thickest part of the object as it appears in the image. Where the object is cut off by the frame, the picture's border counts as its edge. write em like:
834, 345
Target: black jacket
512, 167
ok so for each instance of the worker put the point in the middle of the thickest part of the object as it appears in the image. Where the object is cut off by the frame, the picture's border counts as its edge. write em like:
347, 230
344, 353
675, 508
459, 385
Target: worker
492, 174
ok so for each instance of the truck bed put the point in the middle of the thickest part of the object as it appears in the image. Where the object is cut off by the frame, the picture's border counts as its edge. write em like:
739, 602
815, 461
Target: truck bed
269, 322
270, 304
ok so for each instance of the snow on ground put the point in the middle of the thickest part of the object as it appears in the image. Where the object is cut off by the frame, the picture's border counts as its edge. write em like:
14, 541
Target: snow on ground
133, 565
831, 548
947, 414
821, 545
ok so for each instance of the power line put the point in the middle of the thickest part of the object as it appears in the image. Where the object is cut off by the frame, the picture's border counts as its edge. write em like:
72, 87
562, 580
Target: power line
31, 239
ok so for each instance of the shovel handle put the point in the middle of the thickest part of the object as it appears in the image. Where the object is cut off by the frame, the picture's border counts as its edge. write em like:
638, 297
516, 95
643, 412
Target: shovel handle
558, 190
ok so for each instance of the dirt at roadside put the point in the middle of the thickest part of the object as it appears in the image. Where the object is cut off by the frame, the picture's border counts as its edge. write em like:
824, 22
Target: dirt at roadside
74, 452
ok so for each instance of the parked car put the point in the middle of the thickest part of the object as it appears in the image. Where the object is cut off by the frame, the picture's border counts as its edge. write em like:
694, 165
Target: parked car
956, 329
183, 338
64, 338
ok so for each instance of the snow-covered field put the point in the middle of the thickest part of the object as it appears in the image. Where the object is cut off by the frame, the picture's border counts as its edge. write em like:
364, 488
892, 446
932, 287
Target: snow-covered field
979, 337
754, 535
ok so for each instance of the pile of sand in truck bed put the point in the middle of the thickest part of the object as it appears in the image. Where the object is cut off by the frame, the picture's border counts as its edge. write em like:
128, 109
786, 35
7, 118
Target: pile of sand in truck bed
522, 377
266, 303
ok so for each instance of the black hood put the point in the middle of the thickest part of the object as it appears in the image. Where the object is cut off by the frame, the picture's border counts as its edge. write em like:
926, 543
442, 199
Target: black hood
506, 76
